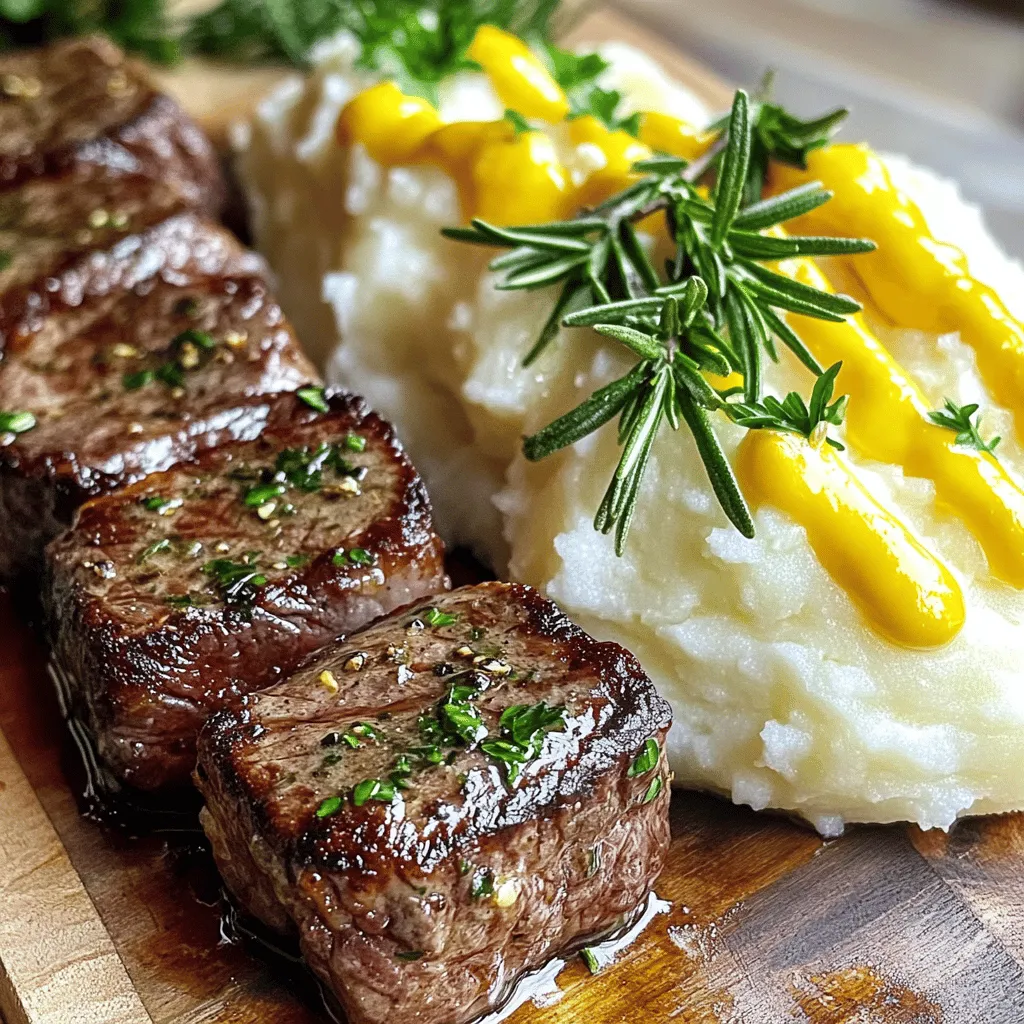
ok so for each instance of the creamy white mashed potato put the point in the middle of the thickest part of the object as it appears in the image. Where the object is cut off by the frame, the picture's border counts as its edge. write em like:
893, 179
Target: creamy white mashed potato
783, 696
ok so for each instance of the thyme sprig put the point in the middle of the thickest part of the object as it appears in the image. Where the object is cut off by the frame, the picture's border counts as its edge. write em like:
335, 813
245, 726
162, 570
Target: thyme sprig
966, 421
717, 308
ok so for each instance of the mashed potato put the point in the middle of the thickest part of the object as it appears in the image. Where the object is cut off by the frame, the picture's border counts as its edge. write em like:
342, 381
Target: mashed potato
783, 697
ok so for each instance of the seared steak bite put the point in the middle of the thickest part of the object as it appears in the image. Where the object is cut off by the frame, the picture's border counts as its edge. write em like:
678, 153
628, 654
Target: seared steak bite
80, 111
90, 154
443, 801
138, 358
173, 597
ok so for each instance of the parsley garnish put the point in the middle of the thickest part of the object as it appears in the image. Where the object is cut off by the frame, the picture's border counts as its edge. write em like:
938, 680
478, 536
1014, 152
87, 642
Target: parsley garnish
482, 884
328, 807
354, 556
16, 422
238, 583
188, 348
523, 728
302, 468
256, 496
577, 74
715, 309
518, 122
417, 42
373, 789
588, 956
963, 419
435, 617
136, 380
315, 398
646, 760
156, 548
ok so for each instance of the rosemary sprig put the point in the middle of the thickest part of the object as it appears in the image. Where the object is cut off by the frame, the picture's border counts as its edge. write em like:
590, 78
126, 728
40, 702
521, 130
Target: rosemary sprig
779, 135
717, 308
966, 421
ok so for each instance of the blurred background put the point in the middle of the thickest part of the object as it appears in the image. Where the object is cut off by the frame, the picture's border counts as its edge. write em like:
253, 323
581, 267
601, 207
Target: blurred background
939, 80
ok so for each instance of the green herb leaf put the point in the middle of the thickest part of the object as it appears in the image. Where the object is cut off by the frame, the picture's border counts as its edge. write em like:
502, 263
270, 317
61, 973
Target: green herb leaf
518, 122
315, 398
237, 583
373, 789
646, 760
156, 548
435, 617
328, 807
482, 884
136, 380
966, 421
201, 339
653, 789
716, 309
588, 956
577, 74
16, 422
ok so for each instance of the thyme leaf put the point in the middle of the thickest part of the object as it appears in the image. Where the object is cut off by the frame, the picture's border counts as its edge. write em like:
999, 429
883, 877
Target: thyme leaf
966, 421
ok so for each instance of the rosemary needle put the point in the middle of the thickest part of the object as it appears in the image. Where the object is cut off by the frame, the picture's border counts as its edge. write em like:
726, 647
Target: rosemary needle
716, 308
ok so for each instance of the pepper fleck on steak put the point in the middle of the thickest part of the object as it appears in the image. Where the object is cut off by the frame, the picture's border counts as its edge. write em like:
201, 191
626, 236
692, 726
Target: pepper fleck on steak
173, 597
443, 802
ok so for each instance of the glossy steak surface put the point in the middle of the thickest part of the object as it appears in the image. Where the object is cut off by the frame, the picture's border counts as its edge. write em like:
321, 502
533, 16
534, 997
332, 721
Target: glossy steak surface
144, 355
173, 597
443, 801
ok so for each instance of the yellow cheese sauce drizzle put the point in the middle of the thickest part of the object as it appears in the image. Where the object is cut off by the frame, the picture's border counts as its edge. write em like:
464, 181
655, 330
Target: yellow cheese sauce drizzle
887, 421
906, 593
913, 278
506, 177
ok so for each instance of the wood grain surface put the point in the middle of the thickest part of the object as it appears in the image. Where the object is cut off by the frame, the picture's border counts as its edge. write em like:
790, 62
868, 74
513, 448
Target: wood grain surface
52, 941
767, 922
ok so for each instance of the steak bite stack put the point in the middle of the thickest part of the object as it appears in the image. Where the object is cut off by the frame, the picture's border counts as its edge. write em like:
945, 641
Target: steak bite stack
146, 354
134, 333
90, 153
173, 597
438, 804
442, 802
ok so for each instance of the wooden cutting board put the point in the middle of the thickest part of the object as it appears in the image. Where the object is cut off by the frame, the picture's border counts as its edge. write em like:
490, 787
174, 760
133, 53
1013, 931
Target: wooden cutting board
767, 923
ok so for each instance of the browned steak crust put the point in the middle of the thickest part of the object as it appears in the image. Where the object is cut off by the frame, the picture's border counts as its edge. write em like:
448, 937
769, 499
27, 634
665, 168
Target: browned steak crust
148, 620
90, 154
79, 109
426, 902
137, 358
